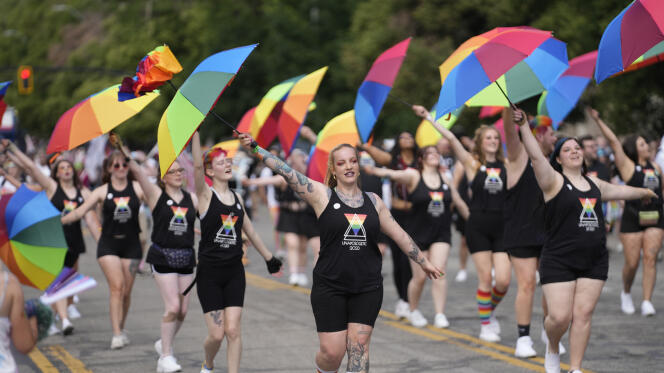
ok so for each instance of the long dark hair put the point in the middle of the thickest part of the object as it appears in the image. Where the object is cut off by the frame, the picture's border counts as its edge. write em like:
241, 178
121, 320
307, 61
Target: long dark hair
54, 172
396, 149
420, 156
629, 147
108, 161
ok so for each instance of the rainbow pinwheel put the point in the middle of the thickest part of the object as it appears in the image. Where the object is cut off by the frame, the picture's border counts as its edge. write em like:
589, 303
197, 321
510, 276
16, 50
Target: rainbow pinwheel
194, 100
340, 129
376, 86
3, 90
32, 242
564, 93
631, 37
94, 116
427, 134
295, 108
523, 61
156, 68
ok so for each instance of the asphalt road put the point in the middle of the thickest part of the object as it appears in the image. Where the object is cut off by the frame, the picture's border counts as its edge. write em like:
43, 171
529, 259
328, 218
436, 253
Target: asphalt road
279, 334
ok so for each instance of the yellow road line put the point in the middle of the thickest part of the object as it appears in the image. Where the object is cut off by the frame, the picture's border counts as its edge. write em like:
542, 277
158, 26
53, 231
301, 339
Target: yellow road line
72, 363
41, 361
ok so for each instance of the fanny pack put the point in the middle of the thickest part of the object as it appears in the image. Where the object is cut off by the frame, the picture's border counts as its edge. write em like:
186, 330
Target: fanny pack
177, 258
648, 218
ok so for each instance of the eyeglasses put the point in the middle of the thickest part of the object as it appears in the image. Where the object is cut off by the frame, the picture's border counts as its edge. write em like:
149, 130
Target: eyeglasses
119, 165
175, 171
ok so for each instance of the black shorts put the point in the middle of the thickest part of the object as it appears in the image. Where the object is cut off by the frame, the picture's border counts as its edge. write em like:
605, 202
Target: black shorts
443, 236
128, 247
459, 223
70, 258
220, 286
301, 223
484, 232
163, 270
552, 269
334, 309
630, 222
526, 251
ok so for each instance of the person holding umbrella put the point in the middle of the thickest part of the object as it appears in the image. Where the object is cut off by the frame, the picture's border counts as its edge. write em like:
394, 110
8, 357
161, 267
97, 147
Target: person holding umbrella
347, 290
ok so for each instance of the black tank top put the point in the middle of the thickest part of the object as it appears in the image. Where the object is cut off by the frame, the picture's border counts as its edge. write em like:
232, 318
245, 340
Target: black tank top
73, 234
645, 177
488, 188
349, 256
221, 232
432, 208
574, 225
120, 212
174, 222
524, 212
371, 183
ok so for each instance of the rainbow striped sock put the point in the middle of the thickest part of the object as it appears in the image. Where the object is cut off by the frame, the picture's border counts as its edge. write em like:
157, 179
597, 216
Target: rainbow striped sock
484, 306
496, 297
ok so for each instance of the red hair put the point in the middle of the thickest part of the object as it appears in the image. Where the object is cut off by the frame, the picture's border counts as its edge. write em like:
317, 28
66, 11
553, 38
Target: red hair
212, 154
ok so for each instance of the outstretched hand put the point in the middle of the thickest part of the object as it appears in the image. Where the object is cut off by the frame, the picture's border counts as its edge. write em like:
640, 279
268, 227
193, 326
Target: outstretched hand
117, 143
420, 111
593, 113
649, 195
431, 270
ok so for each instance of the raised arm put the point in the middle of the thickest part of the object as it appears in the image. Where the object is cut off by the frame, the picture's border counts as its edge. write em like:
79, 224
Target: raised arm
459, 203
151, 191
390, 227
308, 134
381, 157
548, 179
315, 193
515, 152
14, 153
78, 213
469, 163
203, 192
613, 192
624, 165
276, 180
408, 177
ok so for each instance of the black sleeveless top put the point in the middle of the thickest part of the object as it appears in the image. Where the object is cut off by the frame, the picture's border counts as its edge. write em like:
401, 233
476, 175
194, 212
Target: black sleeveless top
286, 197
73, 234
524, 212
349, 257
645, 177
432, 209
574, 225
120, 213
488, 188
221, 232
174, 222
371, 183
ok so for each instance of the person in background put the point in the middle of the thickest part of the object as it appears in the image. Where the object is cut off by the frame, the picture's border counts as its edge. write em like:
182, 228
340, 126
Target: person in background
594, 167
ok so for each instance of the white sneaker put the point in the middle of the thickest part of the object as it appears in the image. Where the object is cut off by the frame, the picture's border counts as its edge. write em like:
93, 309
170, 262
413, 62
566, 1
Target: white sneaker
647, 309
302, 280
416, 319
551, 361
487, 334
402, 309
524, 347
67, 327
157, 346
575, 371
167, 364
494, 324
461, 276
53, 329
626, 303
76, 299
293, 279
72, 312
125, 338
440, 321
204, 369
117, 342
545, 340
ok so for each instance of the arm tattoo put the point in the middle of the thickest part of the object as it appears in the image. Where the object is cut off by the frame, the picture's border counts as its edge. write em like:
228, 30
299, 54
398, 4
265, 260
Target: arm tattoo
372, 198
352, 201
358, 357
216, 317
298, 182
414, 253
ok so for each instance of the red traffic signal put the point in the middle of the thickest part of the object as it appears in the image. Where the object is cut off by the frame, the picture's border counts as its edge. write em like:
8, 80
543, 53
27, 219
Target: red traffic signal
25, 80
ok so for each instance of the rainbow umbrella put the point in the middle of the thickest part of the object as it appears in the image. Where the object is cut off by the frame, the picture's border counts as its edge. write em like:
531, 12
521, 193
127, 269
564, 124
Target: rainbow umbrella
564, 93
376, 86
194, 100
630, 37
155, 69
490, 111
94, 116
230, 146
427, 134
523, 61
340, 129
3, 91
295, 108
245, 123
32, 243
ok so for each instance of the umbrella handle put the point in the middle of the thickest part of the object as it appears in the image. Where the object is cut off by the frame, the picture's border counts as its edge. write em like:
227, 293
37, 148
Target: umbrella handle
507, 98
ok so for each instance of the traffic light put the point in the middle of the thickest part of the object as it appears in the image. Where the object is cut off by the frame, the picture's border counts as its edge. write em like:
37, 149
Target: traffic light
25, 80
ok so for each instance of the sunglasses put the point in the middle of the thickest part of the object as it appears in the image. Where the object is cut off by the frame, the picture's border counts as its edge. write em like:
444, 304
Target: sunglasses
176, 171
119, 165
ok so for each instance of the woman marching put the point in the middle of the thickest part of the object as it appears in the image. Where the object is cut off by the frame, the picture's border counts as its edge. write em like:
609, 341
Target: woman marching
485, 169
641, 228
65, 191
574, 262
347, 287
172, 253
220, 276
119, 248
432, 198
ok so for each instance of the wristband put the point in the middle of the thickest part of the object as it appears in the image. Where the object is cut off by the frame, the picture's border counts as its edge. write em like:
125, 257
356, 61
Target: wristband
254, 147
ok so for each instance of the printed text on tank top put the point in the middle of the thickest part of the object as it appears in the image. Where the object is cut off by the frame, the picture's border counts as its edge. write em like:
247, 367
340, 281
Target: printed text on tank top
492, 183
650, 177
588, 217
226, 235
355, 236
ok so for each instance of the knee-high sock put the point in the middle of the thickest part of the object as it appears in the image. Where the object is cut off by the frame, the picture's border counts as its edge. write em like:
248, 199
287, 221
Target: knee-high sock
496, 297
484, 306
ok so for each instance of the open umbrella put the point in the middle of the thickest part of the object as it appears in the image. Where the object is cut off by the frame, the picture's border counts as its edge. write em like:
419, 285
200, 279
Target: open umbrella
490, 111
94, 116
155, 69
340, 129
376, 86
296, 107
564, 93
523, 61
3, 90
32, 243
194, 100
631, 36
230, 146
427, 134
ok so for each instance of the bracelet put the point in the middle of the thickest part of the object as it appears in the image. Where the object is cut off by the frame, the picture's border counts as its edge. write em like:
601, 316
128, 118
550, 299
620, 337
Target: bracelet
255, 149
